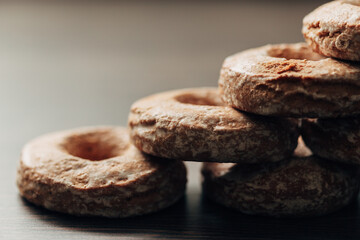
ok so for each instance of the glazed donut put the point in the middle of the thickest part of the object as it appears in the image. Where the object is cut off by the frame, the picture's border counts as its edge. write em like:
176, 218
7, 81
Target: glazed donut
337, 139
333, 29
96, 171
194, 124
297, 187
290, 80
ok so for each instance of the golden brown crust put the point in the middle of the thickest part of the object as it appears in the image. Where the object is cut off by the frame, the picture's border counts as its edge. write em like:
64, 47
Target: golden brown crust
297, 187
193, 124
114, 180
336, 139
333, 29
290, 80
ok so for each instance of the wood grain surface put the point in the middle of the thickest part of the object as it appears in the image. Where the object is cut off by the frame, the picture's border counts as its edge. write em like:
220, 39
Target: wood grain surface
70, 64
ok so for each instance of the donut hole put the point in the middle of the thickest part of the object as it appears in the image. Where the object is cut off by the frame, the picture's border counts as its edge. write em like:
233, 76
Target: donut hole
94, 146
208, 99
301, 53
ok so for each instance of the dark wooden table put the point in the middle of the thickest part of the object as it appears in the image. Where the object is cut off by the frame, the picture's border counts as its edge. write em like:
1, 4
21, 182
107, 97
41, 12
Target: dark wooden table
64, 65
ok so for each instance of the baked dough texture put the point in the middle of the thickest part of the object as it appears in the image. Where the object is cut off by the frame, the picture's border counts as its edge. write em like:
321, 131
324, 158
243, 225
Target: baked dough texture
194, 124
290, 80
297, 187
333, 30
96, 171
337, 139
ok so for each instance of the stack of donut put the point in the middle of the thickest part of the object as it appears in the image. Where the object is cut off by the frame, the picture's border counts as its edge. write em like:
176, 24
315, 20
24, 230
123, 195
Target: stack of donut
318, 82
247, 133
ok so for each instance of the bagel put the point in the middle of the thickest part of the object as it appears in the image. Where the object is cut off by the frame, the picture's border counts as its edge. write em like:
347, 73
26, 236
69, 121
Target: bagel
96, 171
336, 139
297, 187
290, 80
194, 124
333, 29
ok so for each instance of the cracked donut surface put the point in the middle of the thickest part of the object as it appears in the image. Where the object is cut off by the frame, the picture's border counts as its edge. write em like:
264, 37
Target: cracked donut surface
300, 186
333, 29
96, 171
194, 124
290, 80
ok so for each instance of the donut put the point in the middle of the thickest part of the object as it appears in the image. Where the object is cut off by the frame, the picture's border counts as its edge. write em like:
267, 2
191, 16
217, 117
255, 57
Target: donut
336, 139
95, 171
194, 124
333, 29
300, 186
290, 80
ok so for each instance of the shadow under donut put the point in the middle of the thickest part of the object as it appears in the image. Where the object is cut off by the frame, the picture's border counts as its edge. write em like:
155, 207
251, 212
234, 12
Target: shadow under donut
342, 224
196, 217
173, 220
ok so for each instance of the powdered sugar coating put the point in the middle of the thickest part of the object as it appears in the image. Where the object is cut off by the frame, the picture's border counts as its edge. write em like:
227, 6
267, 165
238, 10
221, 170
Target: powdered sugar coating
290, 80
333, 29
126, 184
194, 124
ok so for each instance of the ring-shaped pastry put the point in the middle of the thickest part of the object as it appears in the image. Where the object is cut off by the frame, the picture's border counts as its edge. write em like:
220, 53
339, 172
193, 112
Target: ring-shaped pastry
333, 29
194, 124
297, 187
96, 171
290, 80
